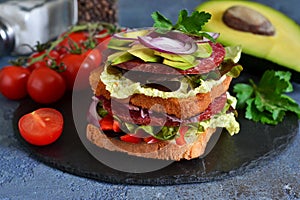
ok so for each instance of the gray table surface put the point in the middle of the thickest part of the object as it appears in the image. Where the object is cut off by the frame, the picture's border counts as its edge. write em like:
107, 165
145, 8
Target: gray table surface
23, 177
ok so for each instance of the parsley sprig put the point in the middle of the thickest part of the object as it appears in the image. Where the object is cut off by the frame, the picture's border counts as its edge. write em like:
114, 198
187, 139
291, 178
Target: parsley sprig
191, 25
266, 102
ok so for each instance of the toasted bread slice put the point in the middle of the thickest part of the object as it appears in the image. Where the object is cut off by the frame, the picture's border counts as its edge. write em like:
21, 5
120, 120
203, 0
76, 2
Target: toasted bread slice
161, 150
180, 107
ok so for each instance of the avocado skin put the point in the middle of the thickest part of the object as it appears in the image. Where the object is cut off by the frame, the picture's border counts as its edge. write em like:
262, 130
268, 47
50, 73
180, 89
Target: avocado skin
283, 48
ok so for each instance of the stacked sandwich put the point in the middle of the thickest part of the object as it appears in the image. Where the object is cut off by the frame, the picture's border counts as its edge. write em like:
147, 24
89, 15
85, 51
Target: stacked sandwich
163, 93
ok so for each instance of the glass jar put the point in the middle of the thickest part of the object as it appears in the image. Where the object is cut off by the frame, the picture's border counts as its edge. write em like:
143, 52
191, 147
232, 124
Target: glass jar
31, 21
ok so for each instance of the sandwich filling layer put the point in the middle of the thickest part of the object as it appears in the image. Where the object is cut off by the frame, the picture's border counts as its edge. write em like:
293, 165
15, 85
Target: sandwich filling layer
156, 95
143, 123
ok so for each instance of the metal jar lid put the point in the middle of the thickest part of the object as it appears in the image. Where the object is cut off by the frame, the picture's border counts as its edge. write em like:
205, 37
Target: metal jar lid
7, 37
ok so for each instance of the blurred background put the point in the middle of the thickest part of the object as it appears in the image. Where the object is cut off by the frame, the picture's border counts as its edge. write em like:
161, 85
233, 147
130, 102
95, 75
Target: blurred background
48, 19
137, 12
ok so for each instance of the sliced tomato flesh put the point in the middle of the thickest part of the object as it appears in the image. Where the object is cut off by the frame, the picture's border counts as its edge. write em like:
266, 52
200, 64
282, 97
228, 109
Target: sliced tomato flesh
116, 126
151, 140
42, 126
182, 131
130, 139
106, 123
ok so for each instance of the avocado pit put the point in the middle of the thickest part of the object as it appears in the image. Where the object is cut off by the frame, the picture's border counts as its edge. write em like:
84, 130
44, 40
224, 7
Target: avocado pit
246, 19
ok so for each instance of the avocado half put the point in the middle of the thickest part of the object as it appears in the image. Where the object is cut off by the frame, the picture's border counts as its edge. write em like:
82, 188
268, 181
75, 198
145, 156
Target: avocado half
283, 48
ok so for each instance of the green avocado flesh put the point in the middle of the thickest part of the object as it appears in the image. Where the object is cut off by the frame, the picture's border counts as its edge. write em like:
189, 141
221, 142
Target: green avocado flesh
175, 57
282, 48
143, 53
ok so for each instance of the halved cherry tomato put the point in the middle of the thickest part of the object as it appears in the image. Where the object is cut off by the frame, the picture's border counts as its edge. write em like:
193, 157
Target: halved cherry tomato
130, 139
116, 126
106, 123
42, 126
13, 80
45, 85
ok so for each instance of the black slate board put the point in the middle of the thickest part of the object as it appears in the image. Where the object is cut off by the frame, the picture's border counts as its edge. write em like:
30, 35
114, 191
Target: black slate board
254, 144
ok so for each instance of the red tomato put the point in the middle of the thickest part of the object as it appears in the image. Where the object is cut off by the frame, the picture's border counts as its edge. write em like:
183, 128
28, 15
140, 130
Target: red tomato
76, 37
102, 36
95, 56
81, 39
182, 131
150, 140
45, 62
106, 123
82, 63
53, 55
13, 80
42, 126
130, 138
116, 126
45, 85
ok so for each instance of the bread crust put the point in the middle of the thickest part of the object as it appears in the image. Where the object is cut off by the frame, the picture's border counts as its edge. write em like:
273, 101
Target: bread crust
180, 107
161, 150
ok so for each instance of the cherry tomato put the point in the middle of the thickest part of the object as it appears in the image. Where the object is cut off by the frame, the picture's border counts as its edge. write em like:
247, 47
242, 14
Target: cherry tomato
106, 123
182, 131
95, 56
81, 40
13, 80
76, 37
82, 63
130, 139
45, 85
102, 36
46, 61
42, 126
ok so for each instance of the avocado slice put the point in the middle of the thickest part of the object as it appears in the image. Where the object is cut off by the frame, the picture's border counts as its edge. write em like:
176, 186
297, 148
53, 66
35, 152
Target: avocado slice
119, 57
180, 65
204, 50
135, 33
143, 53
118, 44
281, 48
176, 57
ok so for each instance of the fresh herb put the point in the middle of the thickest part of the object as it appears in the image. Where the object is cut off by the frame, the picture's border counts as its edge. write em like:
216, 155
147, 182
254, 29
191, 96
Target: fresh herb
191, 25
100, 110
266, 102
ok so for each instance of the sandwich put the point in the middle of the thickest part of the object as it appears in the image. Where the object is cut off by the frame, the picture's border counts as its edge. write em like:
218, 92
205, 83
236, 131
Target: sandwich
162, 93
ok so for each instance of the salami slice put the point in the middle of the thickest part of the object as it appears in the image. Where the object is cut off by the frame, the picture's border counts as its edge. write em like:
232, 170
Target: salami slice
133, 114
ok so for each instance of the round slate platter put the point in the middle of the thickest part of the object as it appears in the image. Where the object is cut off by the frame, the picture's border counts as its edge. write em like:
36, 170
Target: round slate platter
255, 144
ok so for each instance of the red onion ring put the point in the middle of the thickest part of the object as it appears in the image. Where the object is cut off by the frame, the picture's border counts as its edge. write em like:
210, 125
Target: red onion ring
170, 42
92, 115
